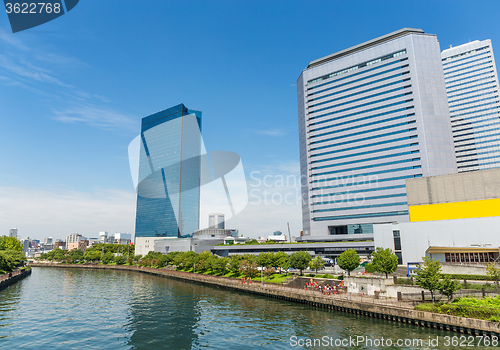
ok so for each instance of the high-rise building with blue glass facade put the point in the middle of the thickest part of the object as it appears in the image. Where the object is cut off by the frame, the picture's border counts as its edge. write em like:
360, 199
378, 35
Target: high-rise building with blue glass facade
473, 97
168, 192
370, 117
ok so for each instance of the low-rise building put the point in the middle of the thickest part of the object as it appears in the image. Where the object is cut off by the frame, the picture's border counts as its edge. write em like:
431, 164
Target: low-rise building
329, 249
59, 245
447, 212
122, 238
82, 245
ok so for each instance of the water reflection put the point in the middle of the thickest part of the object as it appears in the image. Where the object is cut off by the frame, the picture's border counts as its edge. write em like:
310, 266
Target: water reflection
105, 309
163, 314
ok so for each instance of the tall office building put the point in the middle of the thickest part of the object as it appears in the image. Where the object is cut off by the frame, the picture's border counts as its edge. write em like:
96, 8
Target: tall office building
13, 232
473, 98
216, 220
168, 192
370, 117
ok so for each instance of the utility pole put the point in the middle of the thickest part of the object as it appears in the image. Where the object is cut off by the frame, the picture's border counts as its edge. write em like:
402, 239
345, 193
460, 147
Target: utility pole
289, 235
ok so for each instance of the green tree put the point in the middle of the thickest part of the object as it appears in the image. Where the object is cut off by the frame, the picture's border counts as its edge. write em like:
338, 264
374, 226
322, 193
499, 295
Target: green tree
448, 287
203, 261
108, 258
317, 263
493, 271
348, 260
428, 275
220, 265
10, 259
265, 259
249, 268
74, 256
190, 260
268, 271
120, 259
300, 260
92, 255
10, 243
384, 260
16, 257
281, 261
170, 257
253, 241
234, 264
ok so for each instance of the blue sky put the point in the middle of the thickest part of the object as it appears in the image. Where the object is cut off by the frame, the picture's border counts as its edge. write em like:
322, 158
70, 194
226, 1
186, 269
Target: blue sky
73, 92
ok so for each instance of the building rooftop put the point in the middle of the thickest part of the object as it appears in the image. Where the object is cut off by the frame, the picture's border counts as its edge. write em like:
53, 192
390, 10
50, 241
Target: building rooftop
362, 46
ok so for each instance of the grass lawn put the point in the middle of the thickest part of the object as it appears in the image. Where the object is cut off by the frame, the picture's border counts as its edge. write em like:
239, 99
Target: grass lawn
274, 278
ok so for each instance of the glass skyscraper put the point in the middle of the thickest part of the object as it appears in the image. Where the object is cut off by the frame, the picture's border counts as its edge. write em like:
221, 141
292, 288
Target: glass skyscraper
168, 191
473, 97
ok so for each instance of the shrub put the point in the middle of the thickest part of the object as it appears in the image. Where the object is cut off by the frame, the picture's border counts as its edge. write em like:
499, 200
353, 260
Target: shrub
369, 268
456, 276
405, 281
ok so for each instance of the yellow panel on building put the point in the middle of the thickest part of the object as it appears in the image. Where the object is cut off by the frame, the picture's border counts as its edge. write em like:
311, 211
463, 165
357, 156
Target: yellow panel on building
456, 210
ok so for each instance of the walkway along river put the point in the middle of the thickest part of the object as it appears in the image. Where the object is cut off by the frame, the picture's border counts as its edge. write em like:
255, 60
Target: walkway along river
392, 310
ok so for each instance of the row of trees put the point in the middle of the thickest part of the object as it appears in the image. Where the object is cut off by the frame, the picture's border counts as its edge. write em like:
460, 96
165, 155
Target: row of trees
203, 262
11, 254
247, 264
383, 261
98, 253
429, 277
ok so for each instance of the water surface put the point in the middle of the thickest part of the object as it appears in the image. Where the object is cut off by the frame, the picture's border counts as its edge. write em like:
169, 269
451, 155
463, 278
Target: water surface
57, 308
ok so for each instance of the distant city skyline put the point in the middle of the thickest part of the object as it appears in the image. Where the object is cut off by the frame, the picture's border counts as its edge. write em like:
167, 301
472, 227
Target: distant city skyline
75, 90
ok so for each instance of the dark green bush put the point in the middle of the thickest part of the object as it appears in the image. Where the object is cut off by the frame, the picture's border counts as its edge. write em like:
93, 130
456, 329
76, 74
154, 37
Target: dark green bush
369, 268
456, 276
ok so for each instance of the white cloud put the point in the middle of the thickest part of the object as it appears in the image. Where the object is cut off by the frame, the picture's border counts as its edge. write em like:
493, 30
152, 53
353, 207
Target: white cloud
28, 70
56, 213
272, 132
12, 40
40, 213
33, 68
107, 119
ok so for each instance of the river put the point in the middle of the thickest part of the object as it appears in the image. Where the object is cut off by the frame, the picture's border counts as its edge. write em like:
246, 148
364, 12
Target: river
57, 308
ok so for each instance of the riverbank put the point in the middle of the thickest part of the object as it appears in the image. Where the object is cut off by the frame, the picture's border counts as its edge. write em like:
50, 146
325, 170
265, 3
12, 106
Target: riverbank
387, 309
12, 277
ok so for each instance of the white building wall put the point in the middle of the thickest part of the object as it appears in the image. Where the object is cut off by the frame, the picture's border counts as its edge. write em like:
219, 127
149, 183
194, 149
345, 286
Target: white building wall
144, 245
383, 236
416, 237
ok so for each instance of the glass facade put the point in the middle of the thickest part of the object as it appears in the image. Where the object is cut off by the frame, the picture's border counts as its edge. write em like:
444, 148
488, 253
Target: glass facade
371, 117
168, 193
473, 98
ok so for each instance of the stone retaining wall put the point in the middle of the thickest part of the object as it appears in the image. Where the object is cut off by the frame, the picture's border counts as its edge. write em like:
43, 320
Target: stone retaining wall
371, 309
4, 283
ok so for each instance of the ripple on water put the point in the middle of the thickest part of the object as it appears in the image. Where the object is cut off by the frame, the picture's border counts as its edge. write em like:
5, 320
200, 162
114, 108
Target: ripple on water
103, 309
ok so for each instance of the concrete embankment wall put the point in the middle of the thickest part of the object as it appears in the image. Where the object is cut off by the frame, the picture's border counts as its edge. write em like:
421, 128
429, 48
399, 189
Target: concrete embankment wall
387, 312
15, 277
